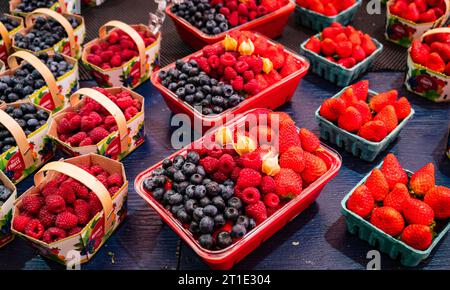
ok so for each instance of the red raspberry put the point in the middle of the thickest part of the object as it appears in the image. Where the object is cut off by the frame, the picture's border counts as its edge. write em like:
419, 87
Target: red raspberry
96, 169
229, 73
252, 87
74, 231
241, 66
271, 200
242, 9
110, 121
210, 164
130, 112
53, 234
98, 134
106, 55
63, 126
113, 190
31, 204
50, 188
214, 61
248, 75
224, 10
235, 173
250, 195
87, 124
209, 51
74, 122
113, 37
238, 83
34, 229
124, 103
115, 179
95, 205
87, 108
94, 59
215, 152
203, 64
249, 178
67, 192
20, 222
227, 59
219, 177
55, 203
96, 118
261, 10
257, 211
81, 210
252, 160
256, 64
116, 60
76, 139
226, 164
233, 19
66, 220
268, 185
103, 178
86, 142
81, 191
46, 217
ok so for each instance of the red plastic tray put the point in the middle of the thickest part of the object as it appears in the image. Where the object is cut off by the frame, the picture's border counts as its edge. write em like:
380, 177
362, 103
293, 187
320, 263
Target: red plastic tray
226, 258
270, 98
271, 25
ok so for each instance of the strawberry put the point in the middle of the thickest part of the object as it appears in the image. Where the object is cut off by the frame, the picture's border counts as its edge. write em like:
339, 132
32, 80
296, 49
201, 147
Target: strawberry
328, 47
378, 102
423, 180
315, 167
293, 159
368, 45
435, 62
332, 108
331, 32
290, 66
361, 90
276, 55
389, 118
288, 182
350, 120
438, 198
377, 184
419, 52
344, 49
374, 131
421, 5
417, 212
349, 97
418, 237
287, 137
361, 202
443, 49
313, 45
358, 53
388, 220
397, 197
330, 10
364, 110
428, 16
412, 13
393, 171
402, 108
347, 62
447, 69
309, 140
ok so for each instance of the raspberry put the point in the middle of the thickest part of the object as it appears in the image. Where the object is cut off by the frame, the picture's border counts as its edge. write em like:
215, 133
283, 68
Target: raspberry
46, 217
252, 87
96, 118
53, 234
87, 108
55, 203
203, 64
209, 51
94, 59
115, 179
63, 126
242, 9
96, 169
235, 173
32, 204
81, 210
210, 164
74, 122
124, 102
81, 191
116, 60
271, 200
74, 231
110, 121
95, 205
130, 112
238, 83
103, 179
215, 152
50, 188
98, 134
226, 164
20, 222
256, 64
113, 189
249, 178
252, 160
241, 66
219, 177
66, 220
229, 73
248, 75
227, 59
76, 139
257, 211
214, 61
250, 195
86, 142
67, 192
87, 124
268, 185
34, 229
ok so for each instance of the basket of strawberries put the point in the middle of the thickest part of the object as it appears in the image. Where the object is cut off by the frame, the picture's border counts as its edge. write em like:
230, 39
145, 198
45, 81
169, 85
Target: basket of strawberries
8, 194
407, 20
404, 213
340, 54
23, 7
9, 25
362, 121
318, 14
203, 22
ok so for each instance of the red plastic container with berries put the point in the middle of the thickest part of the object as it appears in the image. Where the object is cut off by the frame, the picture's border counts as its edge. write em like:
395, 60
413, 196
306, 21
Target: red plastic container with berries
126, 56
108, 122
268, 17
247, 180
261, 82
14, 24
75, 205
428, 63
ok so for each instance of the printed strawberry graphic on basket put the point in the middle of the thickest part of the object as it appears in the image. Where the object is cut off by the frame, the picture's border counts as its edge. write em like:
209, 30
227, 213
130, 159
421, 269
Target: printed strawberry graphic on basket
424, 83
15, 166
398, 31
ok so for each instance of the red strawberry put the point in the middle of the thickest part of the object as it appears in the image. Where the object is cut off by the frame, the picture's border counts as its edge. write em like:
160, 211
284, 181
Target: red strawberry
361, 90
350, 120
364, 110
332, 108
418, 237
276, 55
419, 52
402, 108
347, 62
438, 198
397, 197
287, 136
388, 220
443, 49
389, 118
368, 45
412, 13
330, 10
313, 45
293, 159
358, 53
344, 49
417, 212
435, 62
393, 171
315, 167
288, 182
328, 47
423, 179
331, 32
290, 66
374, 131
309, 140
428, 16
378, 102
349, 97
377, 184
361, 202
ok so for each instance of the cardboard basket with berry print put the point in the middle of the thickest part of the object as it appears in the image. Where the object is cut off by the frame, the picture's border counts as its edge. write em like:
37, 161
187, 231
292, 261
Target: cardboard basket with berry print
123, 57
362, 121
203, 22
428, 72
76, 206
407, 20
9, 25
404, 214
238, 185
318, 14
108, 121
341, 54
23, 7
24, 141
8, 195
51, 78
244, 71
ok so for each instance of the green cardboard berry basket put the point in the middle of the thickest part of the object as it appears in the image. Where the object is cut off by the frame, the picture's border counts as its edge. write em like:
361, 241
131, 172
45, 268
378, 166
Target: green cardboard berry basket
396, 249
334, 72
352, 143
318, 22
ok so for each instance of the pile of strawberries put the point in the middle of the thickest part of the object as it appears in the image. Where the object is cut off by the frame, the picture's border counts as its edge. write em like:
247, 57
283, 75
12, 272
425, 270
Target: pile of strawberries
403, 207
247, 62
345, 46
371, 119
418, 11
63, 206
117, 49
326, 7
91, 123
433, 52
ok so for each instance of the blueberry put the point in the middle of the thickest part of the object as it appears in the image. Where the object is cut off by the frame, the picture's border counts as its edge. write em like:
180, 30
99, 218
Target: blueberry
219, 220
158, 171
213, 188
205, 201
228, 182
201, 170
170, 171
193, 157
178, 161
196, 179
224, 240
210, 210
231, 213
190, 89
190, 191
227, 192
180, 92
206, 225
172, 87
190, 205
162, 74
197, 215
251, 224
243, 220
235, 202
176, 208
167, 195
175, 199
181, 187
179, 176
148, 184
238, 231
200, 191
166, 163
206, 241
193, 227
188, 168
183, 216
219, 203
158, 193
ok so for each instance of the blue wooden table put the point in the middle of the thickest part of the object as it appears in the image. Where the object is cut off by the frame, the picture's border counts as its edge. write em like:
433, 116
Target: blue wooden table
316, 239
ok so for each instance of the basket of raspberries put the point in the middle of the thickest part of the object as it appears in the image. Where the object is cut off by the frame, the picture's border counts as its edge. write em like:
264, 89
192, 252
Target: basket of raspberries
108, 122
318, 14
341, 54
242, 72
203, 22
8, 194
46, 30
405, 213
235, 187
407, 20
9, 25
362, 121
429, 65
76, 206
24, 7
24, 145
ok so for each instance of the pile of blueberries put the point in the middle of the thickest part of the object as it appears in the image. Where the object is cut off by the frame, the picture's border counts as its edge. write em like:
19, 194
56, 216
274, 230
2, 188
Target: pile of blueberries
27, 79
200, 14
44, 34
198, 202
192, 85
9, 23
5, 193
30, 5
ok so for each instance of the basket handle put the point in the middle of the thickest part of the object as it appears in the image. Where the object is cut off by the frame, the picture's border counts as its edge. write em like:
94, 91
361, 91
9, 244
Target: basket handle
41, 68
5, 36
19, 135
85, 178
132, 33
61, 20
112, 108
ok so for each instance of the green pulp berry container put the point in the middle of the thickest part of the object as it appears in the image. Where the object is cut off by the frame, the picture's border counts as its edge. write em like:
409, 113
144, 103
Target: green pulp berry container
387, 244
318, 22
